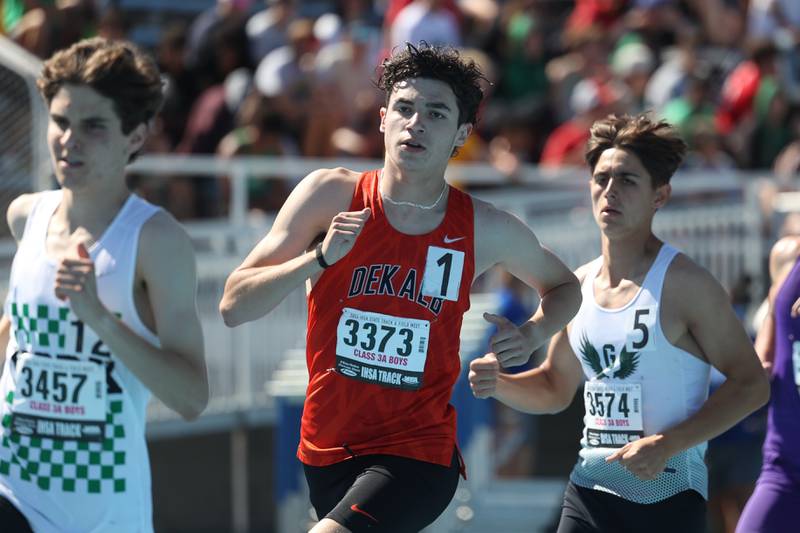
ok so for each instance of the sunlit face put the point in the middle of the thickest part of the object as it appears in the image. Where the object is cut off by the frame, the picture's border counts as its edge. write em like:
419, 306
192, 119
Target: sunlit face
420, 124
87, 146
623, 198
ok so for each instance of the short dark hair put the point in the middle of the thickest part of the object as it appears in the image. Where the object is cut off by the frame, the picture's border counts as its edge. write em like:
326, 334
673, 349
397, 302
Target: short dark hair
656, 143
441, 63
117, 70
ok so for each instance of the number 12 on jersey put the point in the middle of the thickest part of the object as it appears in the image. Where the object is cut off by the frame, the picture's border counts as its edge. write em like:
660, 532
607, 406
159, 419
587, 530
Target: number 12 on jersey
443, 269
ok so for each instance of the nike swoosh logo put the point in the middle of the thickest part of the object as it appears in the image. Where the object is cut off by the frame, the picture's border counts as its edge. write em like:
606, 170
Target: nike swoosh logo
358, 510
448, 240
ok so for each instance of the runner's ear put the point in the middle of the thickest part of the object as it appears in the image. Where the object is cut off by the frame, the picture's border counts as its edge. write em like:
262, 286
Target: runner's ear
662, 195
463, 132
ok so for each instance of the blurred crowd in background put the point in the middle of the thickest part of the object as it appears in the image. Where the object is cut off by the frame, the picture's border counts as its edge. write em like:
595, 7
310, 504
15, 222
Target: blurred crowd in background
296, 78
290, 77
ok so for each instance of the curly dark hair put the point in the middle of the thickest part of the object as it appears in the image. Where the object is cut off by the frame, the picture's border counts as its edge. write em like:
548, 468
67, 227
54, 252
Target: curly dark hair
656, 143
117, 70
441, 63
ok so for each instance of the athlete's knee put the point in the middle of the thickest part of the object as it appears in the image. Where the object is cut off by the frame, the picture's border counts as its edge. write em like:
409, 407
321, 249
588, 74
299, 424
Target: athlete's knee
326, 525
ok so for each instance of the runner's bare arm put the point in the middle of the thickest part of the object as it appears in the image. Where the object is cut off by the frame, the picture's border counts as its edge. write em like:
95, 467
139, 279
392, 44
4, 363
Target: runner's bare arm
16, 216
547, 389
781, 260
703, 306
5, 329
175, 372
501, 238
280, 262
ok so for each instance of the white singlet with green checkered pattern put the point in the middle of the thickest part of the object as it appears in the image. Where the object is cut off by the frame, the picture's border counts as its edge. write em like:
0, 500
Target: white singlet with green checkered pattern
73, 456
638, 384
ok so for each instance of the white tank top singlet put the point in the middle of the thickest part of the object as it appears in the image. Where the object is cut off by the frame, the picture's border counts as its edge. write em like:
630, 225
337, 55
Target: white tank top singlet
73, 456
637, 384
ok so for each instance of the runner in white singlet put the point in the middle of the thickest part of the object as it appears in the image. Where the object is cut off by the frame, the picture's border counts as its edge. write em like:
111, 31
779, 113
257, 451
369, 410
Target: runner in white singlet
100, 310
651, 325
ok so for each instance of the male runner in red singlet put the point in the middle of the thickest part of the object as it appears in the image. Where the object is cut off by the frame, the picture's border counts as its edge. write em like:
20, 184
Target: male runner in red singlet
391, 281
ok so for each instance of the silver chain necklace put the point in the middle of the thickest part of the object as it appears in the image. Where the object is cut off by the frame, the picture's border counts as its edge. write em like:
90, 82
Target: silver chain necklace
412, 204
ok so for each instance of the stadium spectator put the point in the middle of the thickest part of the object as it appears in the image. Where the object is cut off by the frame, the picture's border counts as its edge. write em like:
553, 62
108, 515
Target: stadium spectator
425, 20
260, 131
589, 102
47, 25
267, 29
693, 108
663, 55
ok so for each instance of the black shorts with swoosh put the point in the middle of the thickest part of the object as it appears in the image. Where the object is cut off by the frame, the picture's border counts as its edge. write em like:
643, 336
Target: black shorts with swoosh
382, 493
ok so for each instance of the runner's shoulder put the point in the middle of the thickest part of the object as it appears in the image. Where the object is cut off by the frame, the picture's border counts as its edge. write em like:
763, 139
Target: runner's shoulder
18, 212
319, 196
163, 238
495, 222
784, 253
327, 189
686, 275
582, 271
487, 212
326, 181
691, 289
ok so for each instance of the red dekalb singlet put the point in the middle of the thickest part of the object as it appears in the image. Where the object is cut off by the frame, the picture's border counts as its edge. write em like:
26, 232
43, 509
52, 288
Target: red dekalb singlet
384, 328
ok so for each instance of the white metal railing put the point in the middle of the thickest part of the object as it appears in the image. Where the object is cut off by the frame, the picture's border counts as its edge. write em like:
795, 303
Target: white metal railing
240, 360
23, 153
720, 232
714, 220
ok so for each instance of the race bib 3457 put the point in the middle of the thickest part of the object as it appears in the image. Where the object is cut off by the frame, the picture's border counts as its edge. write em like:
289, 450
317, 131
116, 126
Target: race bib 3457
59, 399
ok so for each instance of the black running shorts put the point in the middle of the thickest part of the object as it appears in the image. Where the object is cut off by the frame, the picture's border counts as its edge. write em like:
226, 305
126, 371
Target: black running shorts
11, 520
593, 511
382, 493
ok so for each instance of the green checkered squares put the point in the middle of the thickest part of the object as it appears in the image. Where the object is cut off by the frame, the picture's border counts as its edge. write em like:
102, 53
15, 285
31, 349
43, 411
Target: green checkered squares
65, 465
69, 466
43, 324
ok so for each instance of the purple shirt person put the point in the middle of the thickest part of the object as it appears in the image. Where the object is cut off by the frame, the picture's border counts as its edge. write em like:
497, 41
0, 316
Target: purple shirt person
773, 505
